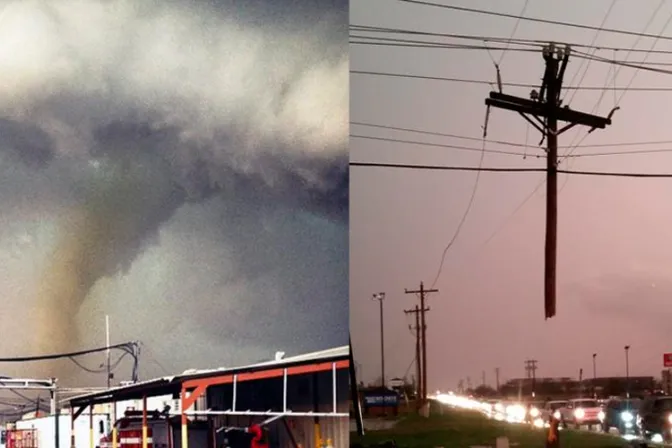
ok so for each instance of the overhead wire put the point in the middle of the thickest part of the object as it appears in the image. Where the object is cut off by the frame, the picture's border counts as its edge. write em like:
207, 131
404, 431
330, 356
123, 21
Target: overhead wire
514, 144
615, 74
595, 36
438, 145
509, 170
534, 44
506, 84
531, 19
122, 346
113, 365
524, 155
513, 33
470, 204
647, 66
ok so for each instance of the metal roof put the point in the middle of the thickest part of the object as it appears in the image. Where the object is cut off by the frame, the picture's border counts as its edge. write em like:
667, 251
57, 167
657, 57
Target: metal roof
173, 384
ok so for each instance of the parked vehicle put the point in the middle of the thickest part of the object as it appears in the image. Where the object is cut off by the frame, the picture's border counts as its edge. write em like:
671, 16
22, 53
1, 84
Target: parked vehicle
621, 413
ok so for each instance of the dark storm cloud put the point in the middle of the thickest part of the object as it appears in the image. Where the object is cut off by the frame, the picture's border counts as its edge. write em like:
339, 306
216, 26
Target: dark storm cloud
26, 143
121, 114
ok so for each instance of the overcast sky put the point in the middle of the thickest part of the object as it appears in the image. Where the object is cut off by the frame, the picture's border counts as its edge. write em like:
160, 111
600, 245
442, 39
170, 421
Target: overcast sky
614, 256
180, 166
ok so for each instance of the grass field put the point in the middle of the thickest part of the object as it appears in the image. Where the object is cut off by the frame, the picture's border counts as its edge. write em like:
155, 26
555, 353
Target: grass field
462, 429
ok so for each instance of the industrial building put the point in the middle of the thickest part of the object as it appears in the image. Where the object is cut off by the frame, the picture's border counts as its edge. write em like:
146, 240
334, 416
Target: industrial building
301, 401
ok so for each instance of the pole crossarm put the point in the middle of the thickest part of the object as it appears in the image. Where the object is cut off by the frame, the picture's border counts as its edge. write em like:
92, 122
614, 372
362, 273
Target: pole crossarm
539, 109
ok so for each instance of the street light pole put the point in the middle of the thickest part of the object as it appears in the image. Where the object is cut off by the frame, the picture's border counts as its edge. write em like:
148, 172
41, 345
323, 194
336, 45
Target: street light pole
594, 376
627, 372
380, 297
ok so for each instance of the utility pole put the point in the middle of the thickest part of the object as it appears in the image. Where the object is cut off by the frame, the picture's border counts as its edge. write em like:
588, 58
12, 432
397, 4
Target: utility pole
497, 378
423, 292
530, 370
627, 372
545, 108
107, 352
55, 411
418, 354
594, 375
380, 297
483, 378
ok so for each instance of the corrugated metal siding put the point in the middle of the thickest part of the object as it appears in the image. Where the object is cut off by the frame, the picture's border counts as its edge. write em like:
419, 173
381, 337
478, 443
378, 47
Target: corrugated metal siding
333, 428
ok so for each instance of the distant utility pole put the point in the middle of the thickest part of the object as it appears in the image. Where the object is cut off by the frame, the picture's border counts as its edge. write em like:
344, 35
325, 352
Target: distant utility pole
418, 353
594, 375
530, 370
423, 292
380, 297
545, 108
497, 378
627, 371
483, 379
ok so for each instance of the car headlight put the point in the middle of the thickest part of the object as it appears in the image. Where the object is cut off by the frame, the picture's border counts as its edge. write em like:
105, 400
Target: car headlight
579, 413
600, 415
534, 412
669, 418
627, 416
556, 415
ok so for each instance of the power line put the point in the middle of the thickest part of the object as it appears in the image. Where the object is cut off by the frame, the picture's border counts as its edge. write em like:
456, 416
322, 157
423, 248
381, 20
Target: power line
435, 45
646, 55
438, 145
513, 33
123, 346
402, 43
472, 197
113, 365
595, 36
509, 170
507, 84
535, 43
533, 19
618, 70
518, 145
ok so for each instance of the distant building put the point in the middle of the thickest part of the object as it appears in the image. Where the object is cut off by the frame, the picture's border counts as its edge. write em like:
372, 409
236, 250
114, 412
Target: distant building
565, 387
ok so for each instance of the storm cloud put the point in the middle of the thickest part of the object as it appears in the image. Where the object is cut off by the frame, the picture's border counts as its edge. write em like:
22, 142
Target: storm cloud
181, 166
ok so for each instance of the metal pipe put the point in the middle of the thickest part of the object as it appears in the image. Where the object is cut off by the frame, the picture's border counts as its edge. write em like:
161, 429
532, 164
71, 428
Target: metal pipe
235, 392
284, 391
144, 421
91, 431
333, 378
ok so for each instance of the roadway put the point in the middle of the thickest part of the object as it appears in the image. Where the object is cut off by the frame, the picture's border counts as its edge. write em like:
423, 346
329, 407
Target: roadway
513, 413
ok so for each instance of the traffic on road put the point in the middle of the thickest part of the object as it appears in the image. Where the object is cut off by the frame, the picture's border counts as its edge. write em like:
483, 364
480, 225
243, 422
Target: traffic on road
648, 419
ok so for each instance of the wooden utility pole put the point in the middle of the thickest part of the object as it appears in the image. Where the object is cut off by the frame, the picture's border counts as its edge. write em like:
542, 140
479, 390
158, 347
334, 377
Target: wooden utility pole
418, 354
423, 292
543, 111
497, 378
